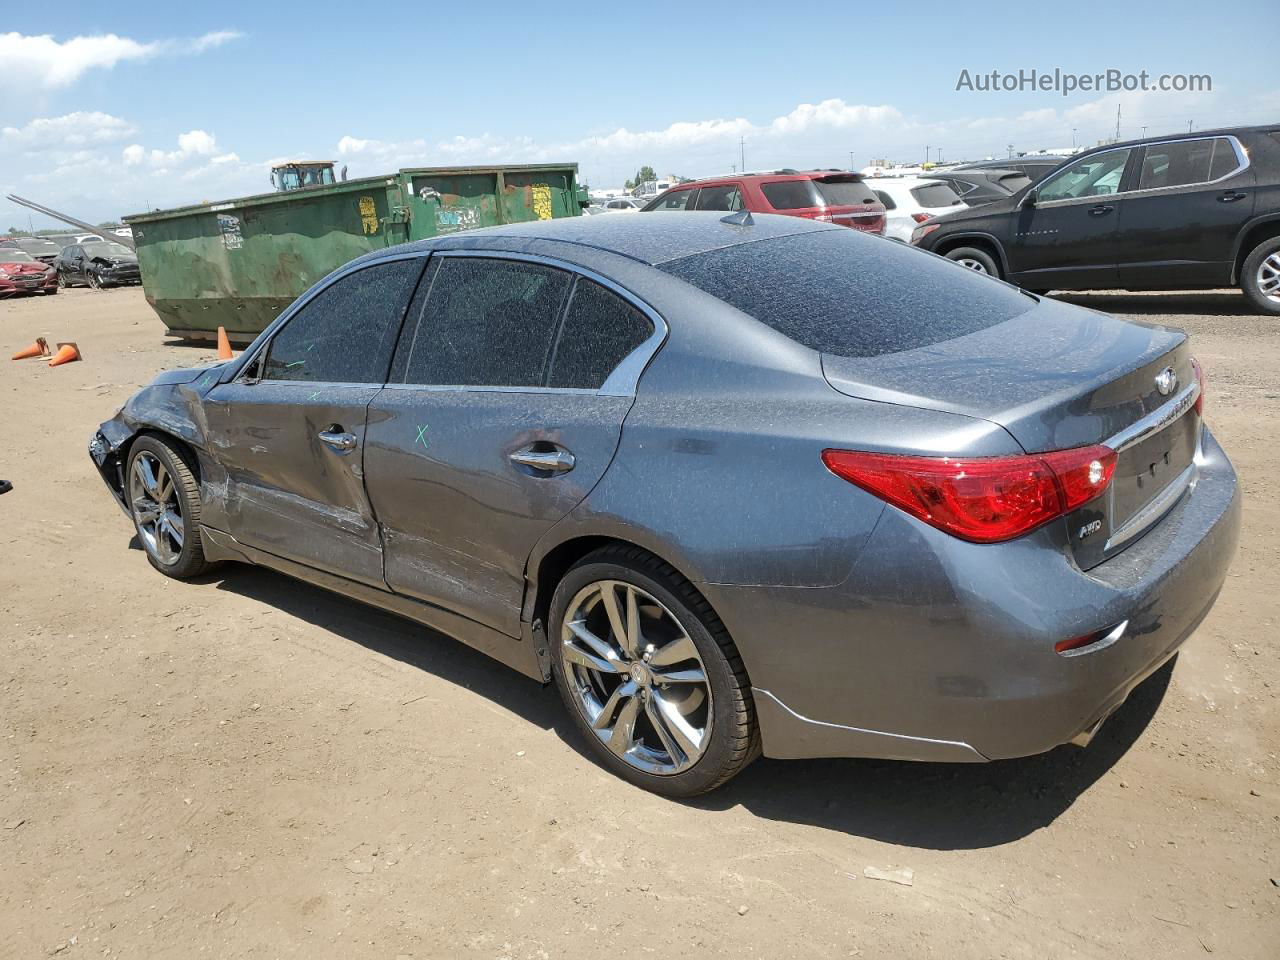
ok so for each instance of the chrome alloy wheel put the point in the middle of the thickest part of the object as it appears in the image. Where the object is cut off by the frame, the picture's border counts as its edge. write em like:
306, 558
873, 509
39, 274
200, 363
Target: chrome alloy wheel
1269, 277
972, 264
156, 508
636, 677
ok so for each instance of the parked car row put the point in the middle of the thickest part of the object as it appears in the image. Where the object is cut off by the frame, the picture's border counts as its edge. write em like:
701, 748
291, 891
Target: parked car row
87, 261
1189, 212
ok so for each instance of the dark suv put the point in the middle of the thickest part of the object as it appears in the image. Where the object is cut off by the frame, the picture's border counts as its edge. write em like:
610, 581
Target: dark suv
1188, 212
833, 196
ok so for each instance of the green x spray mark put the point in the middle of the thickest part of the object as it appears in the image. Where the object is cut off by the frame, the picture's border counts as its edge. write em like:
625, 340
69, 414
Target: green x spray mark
422, 436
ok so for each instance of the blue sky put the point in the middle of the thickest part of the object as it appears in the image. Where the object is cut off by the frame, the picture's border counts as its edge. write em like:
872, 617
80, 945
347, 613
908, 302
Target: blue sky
113, 107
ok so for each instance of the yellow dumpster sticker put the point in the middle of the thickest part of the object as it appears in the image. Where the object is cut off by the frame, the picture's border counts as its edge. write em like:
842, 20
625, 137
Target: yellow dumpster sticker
369, 214
542, 201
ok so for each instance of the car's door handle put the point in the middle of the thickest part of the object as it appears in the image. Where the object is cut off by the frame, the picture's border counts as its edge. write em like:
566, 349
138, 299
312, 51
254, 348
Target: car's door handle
551, 460
338, 438
1231, 196
1100, 210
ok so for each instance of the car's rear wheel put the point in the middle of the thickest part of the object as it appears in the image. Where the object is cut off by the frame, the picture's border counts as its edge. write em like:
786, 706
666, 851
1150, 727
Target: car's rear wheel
62, 281
650, 675
974, 259
164, 501
1260, 277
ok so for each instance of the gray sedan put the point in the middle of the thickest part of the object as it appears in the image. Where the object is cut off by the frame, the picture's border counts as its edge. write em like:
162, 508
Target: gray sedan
735, 486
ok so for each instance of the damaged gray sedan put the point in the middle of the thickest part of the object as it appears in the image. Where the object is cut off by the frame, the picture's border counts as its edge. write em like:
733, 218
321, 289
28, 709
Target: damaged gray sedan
734, 485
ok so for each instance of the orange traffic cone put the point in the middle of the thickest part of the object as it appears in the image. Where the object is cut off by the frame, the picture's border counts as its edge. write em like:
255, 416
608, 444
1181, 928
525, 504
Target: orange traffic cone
38, 349
66, 353
224, 345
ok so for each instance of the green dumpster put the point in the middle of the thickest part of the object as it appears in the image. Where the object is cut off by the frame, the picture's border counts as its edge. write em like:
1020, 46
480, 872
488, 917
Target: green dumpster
238, 263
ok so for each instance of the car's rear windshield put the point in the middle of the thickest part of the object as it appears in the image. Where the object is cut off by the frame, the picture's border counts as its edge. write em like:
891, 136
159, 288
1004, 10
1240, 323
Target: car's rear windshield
935, 195
843, 293
105, 248
841, 193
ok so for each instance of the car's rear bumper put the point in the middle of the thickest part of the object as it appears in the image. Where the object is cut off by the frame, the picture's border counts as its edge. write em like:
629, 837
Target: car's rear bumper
936, 649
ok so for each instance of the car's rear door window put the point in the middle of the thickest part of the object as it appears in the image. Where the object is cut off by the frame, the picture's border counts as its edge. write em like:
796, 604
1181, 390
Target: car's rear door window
840, 292
485, 322
727, 197
1187, 162
886, 200
791, 194
346, 333
599, 330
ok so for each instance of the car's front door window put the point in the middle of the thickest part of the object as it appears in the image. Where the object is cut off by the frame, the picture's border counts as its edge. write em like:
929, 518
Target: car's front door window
346, 333
1094, 176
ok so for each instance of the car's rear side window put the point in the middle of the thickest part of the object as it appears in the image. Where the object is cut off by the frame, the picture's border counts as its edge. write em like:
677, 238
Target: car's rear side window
935, 195
346, 333
840, 292
843, 193
791, 194
599, 330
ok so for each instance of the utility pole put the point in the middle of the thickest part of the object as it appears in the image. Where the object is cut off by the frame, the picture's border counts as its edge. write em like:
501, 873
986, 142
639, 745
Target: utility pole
1188, 126
1011, 151
939, 154
1144, 133
1073, 137
926, 153
851, 163
742, 152
1117, 121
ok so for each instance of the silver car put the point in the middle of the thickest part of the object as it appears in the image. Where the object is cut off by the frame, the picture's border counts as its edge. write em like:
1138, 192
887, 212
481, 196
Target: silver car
734, 485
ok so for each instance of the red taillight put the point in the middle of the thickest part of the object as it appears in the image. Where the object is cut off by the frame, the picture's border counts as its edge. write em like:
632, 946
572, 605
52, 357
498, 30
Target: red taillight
920, 217
1199, 372
984, 499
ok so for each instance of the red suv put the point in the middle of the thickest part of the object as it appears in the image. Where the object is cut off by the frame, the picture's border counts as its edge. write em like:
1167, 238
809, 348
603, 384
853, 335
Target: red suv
834, 196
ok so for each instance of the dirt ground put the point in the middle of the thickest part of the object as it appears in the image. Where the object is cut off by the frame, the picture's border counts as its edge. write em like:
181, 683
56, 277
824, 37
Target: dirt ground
250, 767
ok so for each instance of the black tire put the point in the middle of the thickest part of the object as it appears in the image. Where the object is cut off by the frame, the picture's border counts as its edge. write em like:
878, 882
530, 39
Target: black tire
972, 255
734, 739
1268, 250
190, 560
51, 292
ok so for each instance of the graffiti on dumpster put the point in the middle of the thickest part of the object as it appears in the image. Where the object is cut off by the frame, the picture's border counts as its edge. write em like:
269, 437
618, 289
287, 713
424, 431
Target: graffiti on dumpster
457, 218
368, 215
229, 227
542, 201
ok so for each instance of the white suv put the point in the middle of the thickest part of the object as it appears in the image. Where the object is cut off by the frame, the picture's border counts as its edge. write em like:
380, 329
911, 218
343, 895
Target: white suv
910, 201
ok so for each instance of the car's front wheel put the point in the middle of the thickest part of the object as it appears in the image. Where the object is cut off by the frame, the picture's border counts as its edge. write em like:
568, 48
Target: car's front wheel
94, 281
164, 501
1260, 276
974, 259
650, 675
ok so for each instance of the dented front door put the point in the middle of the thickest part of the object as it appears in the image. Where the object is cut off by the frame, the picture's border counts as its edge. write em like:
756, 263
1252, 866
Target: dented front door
293, 461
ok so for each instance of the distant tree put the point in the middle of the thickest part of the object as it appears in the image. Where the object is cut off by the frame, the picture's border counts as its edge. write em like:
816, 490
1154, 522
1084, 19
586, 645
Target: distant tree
644, 175
628, 185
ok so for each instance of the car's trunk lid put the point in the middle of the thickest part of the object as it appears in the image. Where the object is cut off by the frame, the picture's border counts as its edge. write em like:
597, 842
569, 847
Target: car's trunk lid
1058, 377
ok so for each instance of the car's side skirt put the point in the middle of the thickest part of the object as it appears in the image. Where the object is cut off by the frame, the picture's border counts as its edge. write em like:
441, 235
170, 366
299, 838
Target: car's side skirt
517, 654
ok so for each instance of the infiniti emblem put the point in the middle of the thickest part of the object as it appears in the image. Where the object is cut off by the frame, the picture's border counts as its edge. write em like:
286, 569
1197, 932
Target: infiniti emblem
1166, 381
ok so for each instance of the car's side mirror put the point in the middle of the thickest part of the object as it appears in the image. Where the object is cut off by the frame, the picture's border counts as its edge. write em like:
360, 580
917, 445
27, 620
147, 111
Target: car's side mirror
1029, 198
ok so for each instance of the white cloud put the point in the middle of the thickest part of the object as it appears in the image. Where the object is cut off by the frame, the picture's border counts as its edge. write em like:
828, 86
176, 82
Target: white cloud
196, 141
133, 154
41, 62
70, 130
